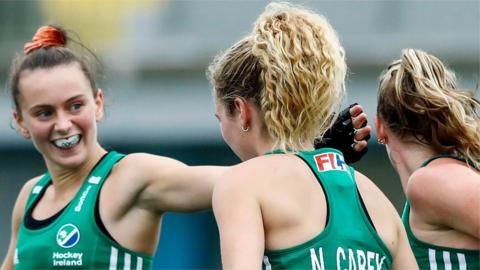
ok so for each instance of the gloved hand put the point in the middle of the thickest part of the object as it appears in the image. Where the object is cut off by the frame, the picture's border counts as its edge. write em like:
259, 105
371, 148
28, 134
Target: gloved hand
349, 134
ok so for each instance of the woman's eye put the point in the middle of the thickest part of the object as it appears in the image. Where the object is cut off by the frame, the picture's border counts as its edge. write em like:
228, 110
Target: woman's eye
43, 114
76, 106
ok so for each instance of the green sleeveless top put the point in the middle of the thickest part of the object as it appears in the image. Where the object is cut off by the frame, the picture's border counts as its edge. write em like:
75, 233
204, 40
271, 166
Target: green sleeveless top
434, 257
73, 240
349, 240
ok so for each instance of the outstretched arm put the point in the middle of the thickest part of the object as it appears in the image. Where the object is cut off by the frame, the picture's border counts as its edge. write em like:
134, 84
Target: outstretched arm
166, 184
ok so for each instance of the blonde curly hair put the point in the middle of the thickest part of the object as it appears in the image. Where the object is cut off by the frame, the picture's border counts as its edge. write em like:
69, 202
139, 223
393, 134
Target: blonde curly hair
292, 66
418, 99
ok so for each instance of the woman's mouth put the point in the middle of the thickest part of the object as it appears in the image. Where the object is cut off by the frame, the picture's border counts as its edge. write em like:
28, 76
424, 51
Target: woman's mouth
67, 143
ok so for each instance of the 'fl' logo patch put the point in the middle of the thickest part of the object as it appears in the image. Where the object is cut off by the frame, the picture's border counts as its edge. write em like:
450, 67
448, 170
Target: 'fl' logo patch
330, 161
68, 236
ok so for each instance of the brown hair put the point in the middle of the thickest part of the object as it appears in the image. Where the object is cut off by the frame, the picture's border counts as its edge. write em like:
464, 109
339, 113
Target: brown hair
46, 50
418, 100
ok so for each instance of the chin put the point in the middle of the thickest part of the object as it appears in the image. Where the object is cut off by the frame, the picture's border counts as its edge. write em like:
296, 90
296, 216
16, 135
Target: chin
67, 159
74, 161
69, 162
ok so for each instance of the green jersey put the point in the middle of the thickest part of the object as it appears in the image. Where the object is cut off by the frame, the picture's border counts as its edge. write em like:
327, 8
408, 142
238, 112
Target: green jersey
349, 240
73, 239
435, 257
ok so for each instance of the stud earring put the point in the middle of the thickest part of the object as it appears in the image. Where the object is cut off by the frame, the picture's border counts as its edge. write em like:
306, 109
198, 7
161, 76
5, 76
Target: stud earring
382, 141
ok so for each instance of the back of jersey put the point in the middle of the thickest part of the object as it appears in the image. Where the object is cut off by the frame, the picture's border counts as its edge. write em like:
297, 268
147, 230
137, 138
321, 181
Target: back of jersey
349, 240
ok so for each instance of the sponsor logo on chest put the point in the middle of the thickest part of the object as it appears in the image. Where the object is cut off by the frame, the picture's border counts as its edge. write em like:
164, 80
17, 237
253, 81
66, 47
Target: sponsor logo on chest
95, 180
68, 236
79, 205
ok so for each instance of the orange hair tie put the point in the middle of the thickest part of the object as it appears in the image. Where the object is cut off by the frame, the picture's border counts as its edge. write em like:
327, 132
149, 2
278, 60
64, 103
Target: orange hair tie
46, 36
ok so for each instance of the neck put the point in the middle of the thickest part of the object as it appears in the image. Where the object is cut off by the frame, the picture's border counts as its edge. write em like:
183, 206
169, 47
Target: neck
262, 147
407, 158
269, 145
69, 178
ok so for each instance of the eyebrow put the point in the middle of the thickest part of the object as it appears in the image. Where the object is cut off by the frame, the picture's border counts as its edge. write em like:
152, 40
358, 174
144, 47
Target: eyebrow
216, 115
39, 106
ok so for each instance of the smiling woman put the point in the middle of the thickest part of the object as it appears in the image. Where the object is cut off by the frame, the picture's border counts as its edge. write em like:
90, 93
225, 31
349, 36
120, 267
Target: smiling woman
89, 197
58, 112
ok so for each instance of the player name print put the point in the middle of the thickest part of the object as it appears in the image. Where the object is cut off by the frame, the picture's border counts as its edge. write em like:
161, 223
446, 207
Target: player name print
330, 161
348, 259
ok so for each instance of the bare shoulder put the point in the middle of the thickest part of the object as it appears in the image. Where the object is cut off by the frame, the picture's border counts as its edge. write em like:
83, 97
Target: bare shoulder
433, 189
257, 173
27, 188
140, 167
20, 204
440, 174
140, 161
241, 176
135, 172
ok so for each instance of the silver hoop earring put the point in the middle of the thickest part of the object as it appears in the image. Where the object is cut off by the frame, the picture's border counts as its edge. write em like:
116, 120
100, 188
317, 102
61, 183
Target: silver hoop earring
245, 129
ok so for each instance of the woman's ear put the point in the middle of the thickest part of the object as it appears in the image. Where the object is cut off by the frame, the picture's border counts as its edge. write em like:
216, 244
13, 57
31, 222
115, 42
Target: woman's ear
20, 125
243, 112
380, 128
99, 101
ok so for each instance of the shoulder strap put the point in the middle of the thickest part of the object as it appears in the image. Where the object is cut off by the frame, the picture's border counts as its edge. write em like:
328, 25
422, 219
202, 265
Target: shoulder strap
88, 194
334, 175
406, 220
38, 189
102, 170
469, 162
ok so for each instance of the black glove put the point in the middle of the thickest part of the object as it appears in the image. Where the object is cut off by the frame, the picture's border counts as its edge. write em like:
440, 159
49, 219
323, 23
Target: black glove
341, 136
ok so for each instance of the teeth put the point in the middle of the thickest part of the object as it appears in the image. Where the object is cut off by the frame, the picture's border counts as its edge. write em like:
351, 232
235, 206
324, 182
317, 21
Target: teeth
68, 142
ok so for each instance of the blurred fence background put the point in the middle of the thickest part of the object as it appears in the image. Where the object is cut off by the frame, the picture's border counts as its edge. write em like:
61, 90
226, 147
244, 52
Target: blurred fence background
154, 55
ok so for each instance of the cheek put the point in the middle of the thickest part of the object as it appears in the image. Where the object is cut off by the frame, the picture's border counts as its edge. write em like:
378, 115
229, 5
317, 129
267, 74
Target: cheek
86, 122
39, 133
38, 129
